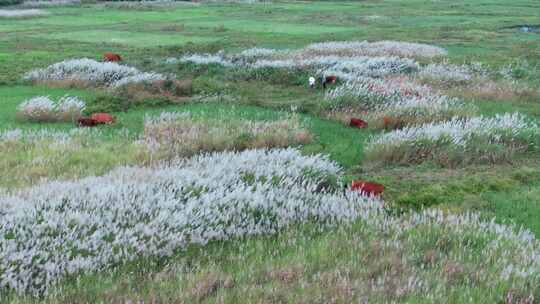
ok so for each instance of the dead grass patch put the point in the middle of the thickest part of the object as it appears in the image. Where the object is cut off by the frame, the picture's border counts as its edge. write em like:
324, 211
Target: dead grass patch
286, 275
66, 83
171, 90
178, 134
173, 28
209, 283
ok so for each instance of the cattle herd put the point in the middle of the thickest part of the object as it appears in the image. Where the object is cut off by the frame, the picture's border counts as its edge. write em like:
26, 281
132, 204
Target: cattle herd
365, 187
96, 119
100, 118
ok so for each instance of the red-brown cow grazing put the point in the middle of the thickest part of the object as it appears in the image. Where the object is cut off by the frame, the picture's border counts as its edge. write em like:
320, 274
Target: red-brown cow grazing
388, 122
111, 57
102, 118
367, 188
391, 123
87, 122
329, 80
358, 123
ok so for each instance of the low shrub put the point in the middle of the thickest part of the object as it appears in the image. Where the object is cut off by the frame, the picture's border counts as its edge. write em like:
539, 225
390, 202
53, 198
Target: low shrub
43, 109
272, 75
255, 53
107, 104
148, 5
21, 13
457, 141
344, 66
518, 69
206, 59
415, 111
92, 73
369, 93
65, 228
49, 3
446, 75
377, 48
10, 2
178, 134
503, 90
36, 155
166, 90
194, 48
393, 102
207, 85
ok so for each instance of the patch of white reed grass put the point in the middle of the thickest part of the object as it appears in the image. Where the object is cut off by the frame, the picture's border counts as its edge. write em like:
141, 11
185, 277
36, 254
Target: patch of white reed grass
93, 72
21, 13
178, 134
65, 228
378, 48
49, 3
394, 102
44, 109
459, 140
446, 74
204, 59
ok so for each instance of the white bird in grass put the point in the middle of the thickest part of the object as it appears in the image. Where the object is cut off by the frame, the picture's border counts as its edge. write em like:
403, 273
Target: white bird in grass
311, 82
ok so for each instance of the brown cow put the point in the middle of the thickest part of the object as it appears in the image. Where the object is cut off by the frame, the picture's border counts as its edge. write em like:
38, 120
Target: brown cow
390, 123
358, 123
387, 122
86, 122
102, 118
367, 188
112, 57
329, 80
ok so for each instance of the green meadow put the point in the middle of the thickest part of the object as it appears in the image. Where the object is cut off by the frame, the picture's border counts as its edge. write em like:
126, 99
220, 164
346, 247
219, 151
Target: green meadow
318, 266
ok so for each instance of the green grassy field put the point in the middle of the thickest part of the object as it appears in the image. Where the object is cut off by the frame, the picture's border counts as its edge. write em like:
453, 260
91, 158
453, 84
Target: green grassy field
471, 31
477, 31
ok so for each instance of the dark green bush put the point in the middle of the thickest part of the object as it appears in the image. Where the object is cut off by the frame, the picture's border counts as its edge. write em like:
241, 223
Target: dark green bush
209, 85
107, 103
10, 2
171, 90
155, 94
277, 76
193, 48
191, 69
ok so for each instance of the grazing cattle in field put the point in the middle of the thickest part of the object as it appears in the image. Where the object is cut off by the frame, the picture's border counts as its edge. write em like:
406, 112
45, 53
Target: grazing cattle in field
112, 57
86, 122
358, 123
387, 122
102, 118
391, 123
367, 188
328, 80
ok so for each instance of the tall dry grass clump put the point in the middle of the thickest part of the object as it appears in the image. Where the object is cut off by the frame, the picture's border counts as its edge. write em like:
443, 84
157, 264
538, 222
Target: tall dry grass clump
44, 109
172, 90
393, 102
64, 228
179, 134
49, 3
21, 13
321, 59
91, 73
457, 141
377, 48
35, 155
